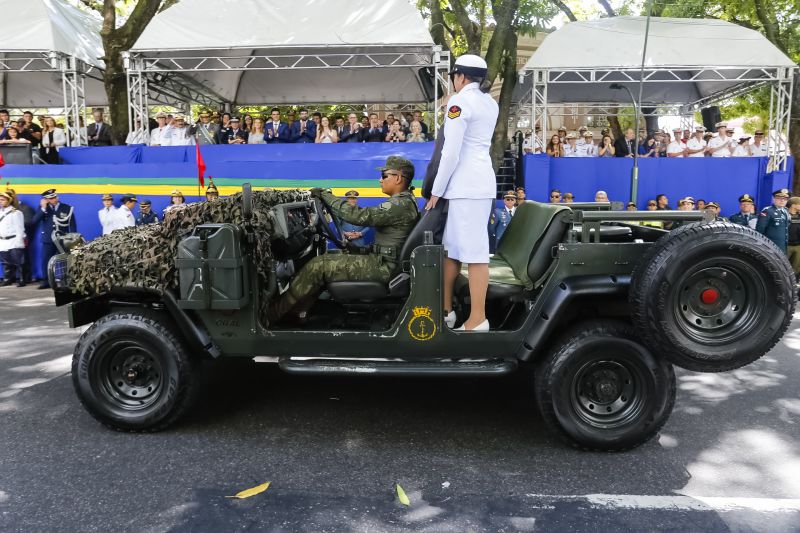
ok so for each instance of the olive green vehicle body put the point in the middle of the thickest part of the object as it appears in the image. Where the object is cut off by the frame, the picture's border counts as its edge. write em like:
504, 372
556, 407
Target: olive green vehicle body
588, 273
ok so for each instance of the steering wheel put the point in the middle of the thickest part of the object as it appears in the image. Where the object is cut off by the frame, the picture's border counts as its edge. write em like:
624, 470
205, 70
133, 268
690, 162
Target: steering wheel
324, 229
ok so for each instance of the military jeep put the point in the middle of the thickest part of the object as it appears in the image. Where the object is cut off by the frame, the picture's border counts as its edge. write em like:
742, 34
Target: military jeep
599, 303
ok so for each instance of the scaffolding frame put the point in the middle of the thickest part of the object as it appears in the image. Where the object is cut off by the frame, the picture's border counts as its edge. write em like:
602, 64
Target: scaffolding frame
163, 73
743, 79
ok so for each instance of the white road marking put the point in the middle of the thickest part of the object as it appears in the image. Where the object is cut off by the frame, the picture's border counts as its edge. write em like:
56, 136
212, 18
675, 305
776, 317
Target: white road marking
672, 503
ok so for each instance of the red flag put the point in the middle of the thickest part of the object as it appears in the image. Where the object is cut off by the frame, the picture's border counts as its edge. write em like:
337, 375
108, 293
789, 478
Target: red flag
2, 161
201, 167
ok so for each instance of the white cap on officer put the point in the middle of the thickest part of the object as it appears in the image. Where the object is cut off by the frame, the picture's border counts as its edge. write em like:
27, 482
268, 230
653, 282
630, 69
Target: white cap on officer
471, 65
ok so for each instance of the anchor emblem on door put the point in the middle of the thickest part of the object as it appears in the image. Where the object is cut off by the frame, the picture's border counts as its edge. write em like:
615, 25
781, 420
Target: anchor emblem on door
421, 327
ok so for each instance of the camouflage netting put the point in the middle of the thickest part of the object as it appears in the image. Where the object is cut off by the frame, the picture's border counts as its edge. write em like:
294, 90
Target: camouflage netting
144, 256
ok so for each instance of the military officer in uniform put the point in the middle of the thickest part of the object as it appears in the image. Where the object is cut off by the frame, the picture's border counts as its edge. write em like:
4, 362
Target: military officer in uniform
205, 132
773, 221
146, 214
714, 208
125, 218
212, 193
746, 215
759, 147
502, 216
12, 241
354, 233
108, 214
793, 249
56, 218
393, 220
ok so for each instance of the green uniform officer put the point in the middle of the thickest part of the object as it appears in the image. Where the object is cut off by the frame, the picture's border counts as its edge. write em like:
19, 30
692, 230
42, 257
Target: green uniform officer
773, 221
393, 220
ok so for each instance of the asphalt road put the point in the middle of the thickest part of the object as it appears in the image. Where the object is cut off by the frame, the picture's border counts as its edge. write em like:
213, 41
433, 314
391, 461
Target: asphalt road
472, 455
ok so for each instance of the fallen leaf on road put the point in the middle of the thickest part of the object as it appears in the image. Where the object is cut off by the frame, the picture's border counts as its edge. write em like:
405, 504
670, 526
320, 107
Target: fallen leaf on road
446, 485
401, 495
250, 492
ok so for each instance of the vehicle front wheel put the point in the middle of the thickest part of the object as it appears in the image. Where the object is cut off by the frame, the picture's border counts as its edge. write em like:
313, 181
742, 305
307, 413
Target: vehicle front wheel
132, 372
599, 388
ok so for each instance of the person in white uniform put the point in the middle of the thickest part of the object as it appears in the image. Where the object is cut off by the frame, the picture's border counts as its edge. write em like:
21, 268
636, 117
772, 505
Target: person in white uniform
676, 148
696, 146
759, 147
125, 216
12, 241
743, 147
720, 146
588, 148
157, 134
571, 147
467, 180
108, 215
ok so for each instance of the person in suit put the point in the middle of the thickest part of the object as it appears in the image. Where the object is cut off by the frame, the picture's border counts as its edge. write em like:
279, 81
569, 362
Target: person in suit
57, 218
277, 131
352, 131
747, 214
204, 132
303, 130
224, 128
99, 133
624, 146
376, 133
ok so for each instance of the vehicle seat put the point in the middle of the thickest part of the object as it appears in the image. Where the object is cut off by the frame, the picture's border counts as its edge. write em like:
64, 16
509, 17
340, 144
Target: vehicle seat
400, 285
525, 251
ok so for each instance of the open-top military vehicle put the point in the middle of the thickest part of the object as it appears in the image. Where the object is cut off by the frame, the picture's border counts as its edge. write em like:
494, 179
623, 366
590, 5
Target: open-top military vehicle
600, 303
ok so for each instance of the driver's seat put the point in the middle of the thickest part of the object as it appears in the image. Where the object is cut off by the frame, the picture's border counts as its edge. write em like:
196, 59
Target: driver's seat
400, 285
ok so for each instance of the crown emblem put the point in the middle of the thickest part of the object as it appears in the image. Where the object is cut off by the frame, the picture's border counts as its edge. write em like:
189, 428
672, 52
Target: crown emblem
421, 311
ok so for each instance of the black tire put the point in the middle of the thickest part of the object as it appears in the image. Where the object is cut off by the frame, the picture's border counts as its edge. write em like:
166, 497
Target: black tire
711, 297
132, 372
600, 389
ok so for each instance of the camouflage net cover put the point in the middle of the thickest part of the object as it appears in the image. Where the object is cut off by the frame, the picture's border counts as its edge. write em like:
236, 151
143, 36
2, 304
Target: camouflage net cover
144, 256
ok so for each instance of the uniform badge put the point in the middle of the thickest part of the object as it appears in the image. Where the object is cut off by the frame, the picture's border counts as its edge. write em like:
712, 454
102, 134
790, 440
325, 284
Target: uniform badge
422, 327
454, 112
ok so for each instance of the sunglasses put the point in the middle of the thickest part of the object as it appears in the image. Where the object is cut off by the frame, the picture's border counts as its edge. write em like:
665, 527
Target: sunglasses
386, 174
555, 196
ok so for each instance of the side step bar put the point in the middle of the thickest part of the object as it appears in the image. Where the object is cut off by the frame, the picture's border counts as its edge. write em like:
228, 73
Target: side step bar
490, 367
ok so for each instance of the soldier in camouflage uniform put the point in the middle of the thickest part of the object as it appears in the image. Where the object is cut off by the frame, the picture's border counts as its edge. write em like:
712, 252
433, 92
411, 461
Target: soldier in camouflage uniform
393, 221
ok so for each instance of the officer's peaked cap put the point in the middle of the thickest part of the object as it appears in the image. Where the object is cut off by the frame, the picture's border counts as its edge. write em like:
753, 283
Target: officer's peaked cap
145, 202
781, 193
745, 198
471, 65
128, 198
49, 193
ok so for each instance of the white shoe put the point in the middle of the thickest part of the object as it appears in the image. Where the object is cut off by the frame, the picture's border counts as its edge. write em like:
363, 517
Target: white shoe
450, 319
483, 326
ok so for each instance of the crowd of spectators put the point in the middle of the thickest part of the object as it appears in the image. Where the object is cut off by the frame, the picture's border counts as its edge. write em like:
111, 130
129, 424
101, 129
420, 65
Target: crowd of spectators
658, 143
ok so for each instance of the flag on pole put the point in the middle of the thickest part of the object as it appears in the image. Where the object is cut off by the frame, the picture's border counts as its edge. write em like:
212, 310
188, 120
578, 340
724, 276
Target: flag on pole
201, 167
2, 161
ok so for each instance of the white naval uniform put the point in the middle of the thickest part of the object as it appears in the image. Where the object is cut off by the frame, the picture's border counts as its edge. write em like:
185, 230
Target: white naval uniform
675, 147
124, 218
156, 135
139, 136
716, 142
569, 151
760, 150
465, 176
741, 151
695, 144
587, 150
172, 136
11, 225
108, 219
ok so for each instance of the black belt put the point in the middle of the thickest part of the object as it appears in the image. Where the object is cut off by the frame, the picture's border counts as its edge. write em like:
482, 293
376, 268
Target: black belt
389, 252
6, 238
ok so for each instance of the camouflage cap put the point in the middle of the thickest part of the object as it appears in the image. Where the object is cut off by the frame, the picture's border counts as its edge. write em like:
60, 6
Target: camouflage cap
396, 162
351, 194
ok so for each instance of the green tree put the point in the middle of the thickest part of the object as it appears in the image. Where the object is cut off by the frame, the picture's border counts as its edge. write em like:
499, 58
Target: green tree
123, 23
489, 28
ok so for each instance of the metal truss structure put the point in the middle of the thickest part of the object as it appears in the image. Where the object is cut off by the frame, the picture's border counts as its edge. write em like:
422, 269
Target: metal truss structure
165, 75
737, 81
73, 73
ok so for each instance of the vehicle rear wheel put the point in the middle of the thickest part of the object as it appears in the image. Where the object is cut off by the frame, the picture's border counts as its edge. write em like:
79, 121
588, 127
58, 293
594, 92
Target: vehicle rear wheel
132, 372
712, 297
600, 389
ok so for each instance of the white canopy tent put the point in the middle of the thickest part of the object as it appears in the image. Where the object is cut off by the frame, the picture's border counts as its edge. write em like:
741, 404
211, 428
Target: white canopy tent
690, 64
291, 52
50, 57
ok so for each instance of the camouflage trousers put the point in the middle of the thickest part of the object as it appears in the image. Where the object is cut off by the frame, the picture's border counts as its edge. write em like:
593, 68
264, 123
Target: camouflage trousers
793, 251
323, 269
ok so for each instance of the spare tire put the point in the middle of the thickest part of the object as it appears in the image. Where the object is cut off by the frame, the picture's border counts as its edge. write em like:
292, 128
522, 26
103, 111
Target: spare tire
711, 297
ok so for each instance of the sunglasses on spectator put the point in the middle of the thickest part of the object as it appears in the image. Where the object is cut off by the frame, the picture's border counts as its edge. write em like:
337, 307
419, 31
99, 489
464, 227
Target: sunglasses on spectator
555, 196
651, 205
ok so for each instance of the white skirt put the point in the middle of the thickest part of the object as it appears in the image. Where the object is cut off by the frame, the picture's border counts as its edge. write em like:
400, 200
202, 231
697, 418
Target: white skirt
466, 233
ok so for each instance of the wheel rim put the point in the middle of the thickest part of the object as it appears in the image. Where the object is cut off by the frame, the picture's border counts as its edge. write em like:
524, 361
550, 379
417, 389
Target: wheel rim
721, 303
608, 393
128, 374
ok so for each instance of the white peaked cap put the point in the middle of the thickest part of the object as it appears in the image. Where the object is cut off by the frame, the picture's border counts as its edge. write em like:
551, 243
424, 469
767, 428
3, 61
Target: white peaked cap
471, 60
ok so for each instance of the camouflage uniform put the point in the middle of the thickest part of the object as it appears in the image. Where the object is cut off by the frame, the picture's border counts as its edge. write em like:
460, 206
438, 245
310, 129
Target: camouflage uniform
393, 221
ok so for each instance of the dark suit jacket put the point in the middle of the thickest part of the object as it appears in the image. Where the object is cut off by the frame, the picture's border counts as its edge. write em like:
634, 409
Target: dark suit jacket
376, 135
355, 137
240, 133
273, 137
621, 147
104, 135
66, 223
309, 136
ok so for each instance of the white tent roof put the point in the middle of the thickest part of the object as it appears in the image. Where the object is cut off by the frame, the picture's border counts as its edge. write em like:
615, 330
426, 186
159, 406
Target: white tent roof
685, 46
37, 27
294, 28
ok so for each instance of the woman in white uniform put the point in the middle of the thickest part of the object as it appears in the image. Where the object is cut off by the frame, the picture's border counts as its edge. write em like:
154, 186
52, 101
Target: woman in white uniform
467, 180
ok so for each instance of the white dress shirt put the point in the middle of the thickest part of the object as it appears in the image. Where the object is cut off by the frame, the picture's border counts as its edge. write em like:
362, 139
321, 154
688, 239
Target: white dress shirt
716, 142
759, 150
465, 169
676, 147
156, 136
696, 144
